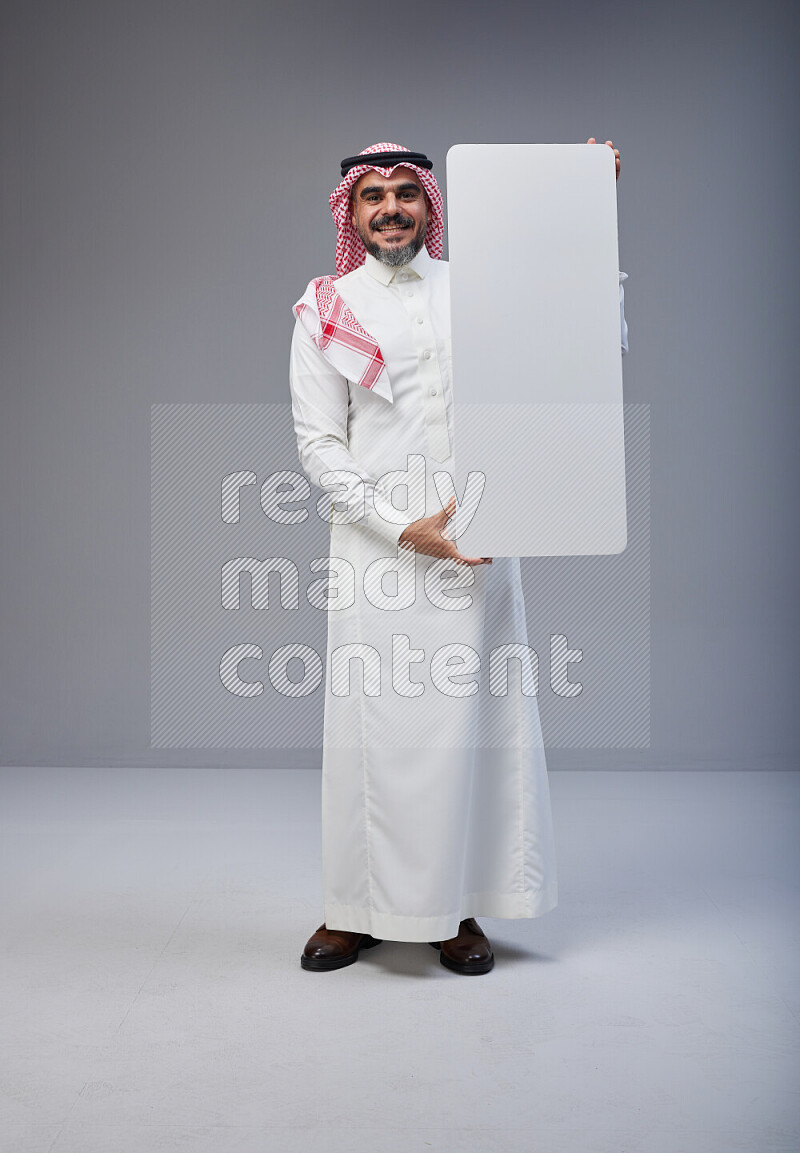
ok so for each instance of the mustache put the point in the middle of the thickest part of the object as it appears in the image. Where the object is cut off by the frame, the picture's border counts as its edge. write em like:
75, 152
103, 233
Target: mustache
397, 218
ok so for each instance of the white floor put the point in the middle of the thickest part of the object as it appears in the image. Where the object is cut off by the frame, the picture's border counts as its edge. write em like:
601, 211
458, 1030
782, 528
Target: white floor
153, 920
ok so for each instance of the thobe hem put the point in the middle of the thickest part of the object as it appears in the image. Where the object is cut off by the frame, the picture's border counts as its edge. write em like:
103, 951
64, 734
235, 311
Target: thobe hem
393, 927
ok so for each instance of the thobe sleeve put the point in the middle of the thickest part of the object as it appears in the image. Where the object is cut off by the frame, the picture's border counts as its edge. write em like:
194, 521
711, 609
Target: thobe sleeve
622, 325
319, 409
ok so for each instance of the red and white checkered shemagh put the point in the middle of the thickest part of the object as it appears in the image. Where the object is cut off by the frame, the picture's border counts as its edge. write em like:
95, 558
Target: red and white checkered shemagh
350, 250
344, 343
347, 346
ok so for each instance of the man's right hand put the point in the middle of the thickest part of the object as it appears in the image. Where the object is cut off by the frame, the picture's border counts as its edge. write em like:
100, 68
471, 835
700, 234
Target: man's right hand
426, 537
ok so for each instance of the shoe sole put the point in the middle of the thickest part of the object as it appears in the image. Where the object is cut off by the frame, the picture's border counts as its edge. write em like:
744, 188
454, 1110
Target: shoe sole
467, 968
325, 964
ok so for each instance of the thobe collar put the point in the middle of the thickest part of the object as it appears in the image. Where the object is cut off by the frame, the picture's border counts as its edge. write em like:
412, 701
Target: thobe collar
416, 268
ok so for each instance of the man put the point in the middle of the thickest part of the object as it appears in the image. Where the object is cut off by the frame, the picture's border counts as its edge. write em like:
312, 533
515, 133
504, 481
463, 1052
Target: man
435, 798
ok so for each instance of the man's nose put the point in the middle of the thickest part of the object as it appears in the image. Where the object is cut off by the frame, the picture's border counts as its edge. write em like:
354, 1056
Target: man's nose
391, 203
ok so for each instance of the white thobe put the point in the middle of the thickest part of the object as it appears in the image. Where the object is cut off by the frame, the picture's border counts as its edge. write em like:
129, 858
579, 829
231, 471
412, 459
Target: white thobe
435, 798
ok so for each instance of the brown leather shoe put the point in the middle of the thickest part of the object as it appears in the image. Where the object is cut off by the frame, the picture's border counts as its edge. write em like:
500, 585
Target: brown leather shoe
469, 952
334, 948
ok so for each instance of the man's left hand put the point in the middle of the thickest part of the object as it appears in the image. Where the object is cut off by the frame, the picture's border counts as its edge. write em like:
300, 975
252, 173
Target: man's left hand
592, 140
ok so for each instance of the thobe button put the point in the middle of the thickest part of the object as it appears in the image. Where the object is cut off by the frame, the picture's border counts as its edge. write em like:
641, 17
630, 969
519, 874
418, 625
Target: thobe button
427, 354
433, 392
420, 320
409, 292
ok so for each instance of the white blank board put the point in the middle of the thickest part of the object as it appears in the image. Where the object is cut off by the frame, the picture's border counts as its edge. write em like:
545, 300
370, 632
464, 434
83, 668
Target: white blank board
537, 371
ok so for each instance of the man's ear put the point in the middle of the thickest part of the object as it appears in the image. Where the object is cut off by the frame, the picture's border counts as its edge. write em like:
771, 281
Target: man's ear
352, 211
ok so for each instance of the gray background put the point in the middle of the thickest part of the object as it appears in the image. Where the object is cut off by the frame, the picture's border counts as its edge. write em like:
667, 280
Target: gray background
166, 168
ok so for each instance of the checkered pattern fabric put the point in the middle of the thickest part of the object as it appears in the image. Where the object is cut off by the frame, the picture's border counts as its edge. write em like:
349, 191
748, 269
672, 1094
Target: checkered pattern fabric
343, 342
350, 251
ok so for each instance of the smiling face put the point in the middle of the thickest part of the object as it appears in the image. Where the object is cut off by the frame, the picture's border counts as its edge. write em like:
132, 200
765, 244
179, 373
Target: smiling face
390, 214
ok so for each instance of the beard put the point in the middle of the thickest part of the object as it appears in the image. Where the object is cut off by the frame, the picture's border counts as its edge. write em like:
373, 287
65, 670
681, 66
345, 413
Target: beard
394, 257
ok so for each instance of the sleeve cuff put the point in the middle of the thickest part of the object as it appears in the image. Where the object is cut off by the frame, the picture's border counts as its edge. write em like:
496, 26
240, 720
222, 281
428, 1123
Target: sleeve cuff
386, 530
